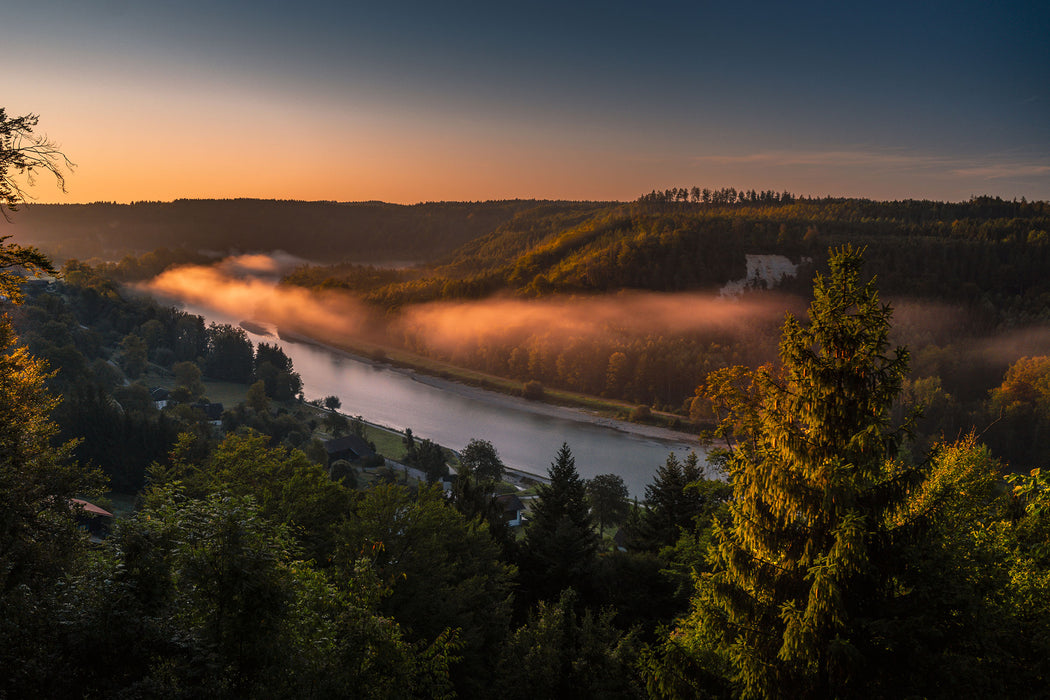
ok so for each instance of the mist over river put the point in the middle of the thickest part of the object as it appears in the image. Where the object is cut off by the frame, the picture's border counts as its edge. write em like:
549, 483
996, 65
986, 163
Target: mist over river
527, 435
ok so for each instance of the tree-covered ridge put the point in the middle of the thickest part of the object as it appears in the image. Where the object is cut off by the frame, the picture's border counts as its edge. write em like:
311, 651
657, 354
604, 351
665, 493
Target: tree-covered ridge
962, 273
984, 249
331, 231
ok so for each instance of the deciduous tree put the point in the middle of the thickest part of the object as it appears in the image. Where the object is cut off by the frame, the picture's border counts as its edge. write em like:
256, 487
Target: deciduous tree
607, 495
481, 460
24, 154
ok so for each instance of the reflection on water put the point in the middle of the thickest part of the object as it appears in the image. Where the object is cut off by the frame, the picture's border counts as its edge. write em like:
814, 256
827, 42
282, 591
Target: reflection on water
525, 440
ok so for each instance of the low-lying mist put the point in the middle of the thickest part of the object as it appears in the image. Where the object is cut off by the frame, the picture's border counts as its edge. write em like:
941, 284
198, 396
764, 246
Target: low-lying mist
572, 339
232, 288
228, 288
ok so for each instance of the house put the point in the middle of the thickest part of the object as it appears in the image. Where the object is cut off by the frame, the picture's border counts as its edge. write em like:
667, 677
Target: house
211, 411
92, 518
513, 509
160, 396
349, 448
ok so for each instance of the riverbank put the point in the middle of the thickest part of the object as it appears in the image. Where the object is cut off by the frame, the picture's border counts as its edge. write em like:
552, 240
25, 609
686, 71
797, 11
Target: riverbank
394, 357
380, 387
499, 400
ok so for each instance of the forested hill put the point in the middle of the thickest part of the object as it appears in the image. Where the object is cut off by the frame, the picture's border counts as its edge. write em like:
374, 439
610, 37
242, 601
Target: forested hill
984, 250
362, 232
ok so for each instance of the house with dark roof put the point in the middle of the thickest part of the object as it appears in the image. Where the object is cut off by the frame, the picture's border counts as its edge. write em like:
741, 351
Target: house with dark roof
349, 448
513, 509
212, 411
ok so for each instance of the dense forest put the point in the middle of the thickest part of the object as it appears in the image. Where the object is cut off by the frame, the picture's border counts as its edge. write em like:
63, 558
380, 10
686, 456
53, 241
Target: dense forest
878, 526
834, 558
330, 231
984, 250
968, 281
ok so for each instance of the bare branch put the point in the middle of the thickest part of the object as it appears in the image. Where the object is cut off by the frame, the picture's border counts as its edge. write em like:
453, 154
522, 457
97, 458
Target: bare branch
22, 155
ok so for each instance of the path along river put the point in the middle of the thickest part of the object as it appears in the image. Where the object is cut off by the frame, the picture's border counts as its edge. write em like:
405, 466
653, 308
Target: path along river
526, 434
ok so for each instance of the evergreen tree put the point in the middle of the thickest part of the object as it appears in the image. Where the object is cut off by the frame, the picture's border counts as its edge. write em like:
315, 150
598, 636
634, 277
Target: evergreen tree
560, 543
676, 497
806, 558
663, 515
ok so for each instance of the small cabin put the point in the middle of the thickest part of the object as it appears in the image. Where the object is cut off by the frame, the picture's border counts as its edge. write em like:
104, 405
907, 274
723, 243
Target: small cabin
90, 517
212, 411
349, 448
513, 509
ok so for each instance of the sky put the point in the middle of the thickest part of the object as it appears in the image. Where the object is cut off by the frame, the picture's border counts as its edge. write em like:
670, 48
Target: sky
425, 101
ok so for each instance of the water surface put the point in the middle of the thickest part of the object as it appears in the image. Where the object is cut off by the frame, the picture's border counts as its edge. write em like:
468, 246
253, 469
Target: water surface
525, 440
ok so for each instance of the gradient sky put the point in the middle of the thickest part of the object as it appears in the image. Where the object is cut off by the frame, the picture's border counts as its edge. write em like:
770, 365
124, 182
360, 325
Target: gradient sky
417, 101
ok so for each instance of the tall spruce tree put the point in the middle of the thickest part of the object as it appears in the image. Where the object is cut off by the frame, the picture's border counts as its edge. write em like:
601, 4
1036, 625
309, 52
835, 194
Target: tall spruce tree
560, 546
807, 558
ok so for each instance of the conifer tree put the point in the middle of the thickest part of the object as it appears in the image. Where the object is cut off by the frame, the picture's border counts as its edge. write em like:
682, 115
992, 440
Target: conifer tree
674, 499
806, 557
560, 543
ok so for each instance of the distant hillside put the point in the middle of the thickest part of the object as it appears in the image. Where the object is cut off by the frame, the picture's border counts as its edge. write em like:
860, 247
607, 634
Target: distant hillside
983, 251
361, 232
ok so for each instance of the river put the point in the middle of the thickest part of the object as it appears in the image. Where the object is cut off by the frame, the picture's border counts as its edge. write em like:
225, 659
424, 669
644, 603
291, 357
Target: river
527, 436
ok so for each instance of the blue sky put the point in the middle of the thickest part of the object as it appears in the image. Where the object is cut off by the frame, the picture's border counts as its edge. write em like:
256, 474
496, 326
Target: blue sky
420, 101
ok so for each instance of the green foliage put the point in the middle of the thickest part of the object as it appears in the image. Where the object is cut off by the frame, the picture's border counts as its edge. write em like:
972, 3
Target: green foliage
116, 437
474, 498
188, 377
481, 462
970, 617
430, 458
256, 398
561, 653
806, 554
343, 472
230, 356
560, 546
669, 507
39, 541
288, 487
607, 495
1019, 413
532, 390
206, 598
134, 355
444, 573
37, 479
274, 369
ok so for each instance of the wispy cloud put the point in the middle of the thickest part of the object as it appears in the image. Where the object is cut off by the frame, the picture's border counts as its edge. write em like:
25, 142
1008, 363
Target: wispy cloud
838, 158
1004, 170
988, 167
